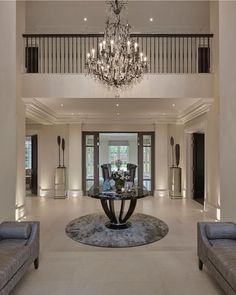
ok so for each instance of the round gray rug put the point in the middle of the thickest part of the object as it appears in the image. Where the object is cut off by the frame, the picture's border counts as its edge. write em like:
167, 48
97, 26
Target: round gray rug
91, 230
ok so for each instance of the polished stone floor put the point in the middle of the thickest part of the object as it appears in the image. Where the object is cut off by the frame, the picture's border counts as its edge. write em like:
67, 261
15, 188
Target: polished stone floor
167, 267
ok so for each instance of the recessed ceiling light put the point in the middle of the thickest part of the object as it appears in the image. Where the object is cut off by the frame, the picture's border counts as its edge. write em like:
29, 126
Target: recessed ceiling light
85, 19
173, 105
151, 19
62, 105
117, 104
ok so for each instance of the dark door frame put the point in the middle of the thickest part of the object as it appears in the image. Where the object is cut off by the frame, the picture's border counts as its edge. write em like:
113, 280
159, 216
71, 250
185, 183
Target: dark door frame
198, 167
34, 159
95, 160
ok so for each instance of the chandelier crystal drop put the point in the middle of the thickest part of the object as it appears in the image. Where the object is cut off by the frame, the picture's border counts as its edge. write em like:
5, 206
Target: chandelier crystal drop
117, 62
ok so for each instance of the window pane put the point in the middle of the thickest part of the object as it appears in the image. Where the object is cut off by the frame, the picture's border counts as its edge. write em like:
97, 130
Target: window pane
147, 163
147, 140
147, 184
89, 184
89, 140
89, 162
118, 153
28, 151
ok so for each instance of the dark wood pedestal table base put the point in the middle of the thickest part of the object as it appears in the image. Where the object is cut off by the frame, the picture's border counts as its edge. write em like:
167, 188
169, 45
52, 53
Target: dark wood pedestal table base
119, 219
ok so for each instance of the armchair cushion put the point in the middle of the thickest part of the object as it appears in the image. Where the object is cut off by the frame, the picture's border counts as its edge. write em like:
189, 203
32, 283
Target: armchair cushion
15, 230
223, 230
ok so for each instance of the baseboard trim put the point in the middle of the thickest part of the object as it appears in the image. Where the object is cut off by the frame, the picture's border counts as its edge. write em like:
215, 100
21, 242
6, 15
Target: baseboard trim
161, 193
46, 192
75, 193
19, 212
212, 211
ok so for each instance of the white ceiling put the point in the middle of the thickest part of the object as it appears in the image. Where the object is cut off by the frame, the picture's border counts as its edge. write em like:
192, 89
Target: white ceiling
134, 107
68, 16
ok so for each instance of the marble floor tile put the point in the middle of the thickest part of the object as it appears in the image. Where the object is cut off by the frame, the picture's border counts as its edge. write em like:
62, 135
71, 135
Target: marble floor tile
166, 267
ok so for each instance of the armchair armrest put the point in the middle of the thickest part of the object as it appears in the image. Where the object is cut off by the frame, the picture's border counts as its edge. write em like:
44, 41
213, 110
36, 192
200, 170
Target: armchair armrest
15, 230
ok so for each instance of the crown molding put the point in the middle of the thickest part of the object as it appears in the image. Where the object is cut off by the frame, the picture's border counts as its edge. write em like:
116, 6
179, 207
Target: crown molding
41, 114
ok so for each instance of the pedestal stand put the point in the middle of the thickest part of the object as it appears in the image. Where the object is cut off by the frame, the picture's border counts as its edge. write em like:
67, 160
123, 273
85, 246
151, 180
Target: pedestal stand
175, 183
60, 183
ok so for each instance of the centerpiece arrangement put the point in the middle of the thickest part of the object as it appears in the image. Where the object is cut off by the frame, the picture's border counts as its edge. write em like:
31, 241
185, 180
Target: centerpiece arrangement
120, 177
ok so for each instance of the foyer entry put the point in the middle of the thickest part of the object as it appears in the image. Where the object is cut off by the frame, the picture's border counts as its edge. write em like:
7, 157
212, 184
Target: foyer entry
108, 147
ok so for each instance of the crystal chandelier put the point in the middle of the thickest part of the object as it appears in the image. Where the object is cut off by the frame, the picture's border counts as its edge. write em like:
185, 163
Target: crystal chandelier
118, 62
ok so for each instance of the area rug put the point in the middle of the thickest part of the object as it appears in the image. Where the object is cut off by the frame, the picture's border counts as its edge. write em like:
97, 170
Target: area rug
91, 230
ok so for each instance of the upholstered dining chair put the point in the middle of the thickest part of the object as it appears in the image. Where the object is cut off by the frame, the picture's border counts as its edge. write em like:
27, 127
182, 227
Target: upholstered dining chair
106, 171
131, 169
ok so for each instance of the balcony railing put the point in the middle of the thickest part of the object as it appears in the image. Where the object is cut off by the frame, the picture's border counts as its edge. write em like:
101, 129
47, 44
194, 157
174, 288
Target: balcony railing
166, 53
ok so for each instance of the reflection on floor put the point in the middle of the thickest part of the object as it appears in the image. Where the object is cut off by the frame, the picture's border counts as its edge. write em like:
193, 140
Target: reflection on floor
167, 267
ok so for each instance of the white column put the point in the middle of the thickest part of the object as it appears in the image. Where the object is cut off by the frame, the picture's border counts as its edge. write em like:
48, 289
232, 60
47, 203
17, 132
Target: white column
20, 114
161, 161
75, 161
7, 109
227, 74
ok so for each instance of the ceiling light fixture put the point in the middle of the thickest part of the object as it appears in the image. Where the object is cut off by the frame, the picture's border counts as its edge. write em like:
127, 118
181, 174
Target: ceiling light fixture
173, 105
117, 105
62, 105
85, 19
118, 62
151, 19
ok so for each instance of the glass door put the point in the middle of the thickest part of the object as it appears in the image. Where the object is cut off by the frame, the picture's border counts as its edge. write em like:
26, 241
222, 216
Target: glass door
146, 160
90, 160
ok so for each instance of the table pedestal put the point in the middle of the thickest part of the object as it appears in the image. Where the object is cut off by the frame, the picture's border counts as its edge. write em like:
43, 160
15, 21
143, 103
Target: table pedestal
120, 220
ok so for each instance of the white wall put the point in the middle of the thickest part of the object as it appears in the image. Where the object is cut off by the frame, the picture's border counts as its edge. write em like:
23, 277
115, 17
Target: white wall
161, 160
67, 16
177, 132
227, 70
48, 154
75, 161
8, 109
151, 86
